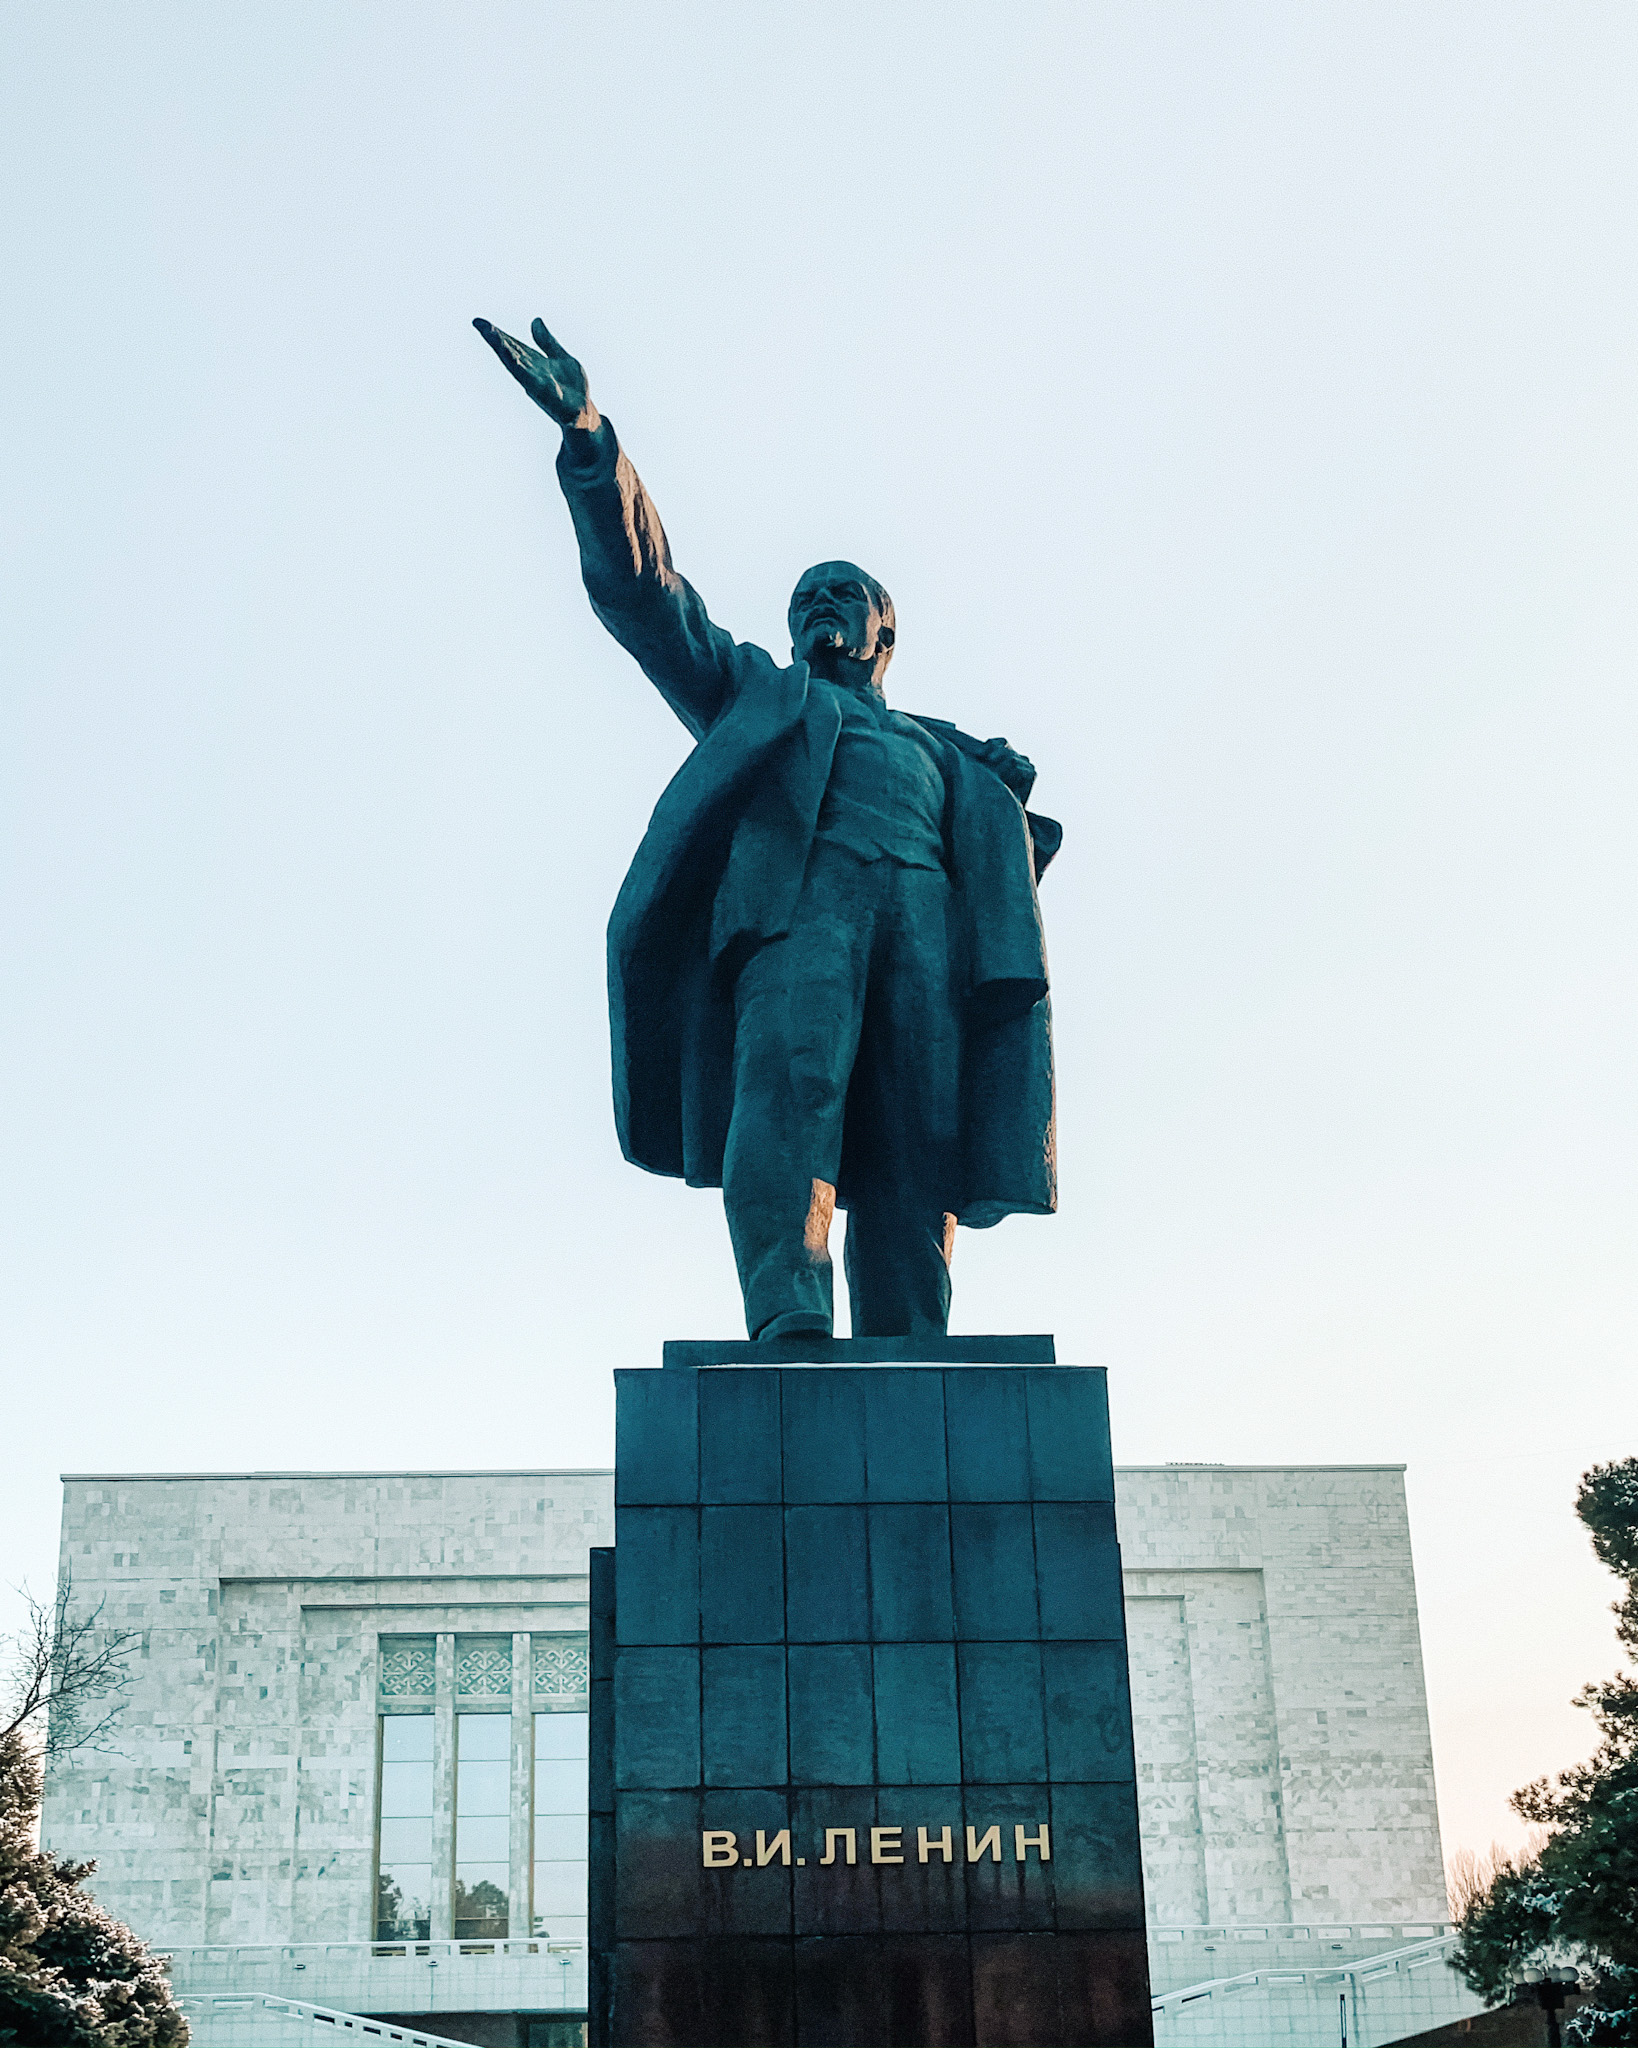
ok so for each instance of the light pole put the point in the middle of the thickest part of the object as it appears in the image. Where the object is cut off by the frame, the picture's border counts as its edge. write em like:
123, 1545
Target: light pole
1550, 1988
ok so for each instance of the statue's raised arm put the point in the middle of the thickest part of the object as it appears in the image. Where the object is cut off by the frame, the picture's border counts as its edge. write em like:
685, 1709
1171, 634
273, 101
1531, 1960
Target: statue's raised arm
655, 614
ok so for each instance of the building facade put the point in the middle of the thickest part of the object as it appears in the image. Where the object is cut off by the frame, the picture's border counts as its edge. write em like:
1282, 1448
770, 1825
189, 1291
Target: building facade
351, 1769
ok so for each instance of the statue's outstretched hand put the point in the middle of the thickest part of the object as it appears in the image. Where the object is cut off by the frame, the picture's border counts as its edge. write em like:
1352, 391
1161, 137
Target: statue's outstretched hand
550, 375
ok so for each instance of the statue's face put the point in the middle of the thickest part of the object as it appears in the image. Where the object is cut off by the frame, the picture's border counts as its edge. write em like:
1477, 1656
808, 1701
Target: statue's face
838, 613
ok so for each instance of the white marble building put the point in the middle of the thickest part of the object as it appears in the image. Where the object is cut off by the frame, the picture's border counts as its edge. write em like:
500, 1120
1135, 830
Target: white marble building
351, 1677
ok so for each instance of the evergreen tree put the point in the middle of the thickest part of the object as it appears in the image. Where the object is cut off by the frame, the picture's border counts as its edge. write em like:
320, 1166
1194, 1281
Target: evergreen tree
1575, 1900
70, 1975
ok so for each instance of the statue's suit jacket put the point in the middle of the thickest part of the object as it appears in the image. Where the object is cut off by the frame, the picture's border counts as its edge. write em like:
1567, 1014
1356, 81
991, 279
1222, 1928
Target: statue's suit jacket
719, 870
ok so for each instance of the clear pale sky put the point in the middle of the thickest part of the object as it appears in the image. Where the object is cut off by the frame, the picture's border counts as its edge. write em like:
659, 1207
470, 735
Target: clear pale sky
1239, 404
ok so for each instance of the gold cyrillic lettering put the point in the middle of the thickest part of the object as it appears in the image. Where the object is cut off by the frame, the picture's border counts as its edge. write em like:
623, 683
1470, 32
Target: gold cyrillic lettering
1040, 1842
925, 1845
780, 1846
719, 1848
991, 1842
884, 1839
848, 1835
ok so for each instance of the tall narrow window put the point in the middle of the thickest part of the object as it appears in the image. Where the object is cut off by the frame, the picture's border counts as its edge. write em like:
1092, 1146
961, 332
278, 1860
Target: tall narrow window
483, 1787
403, 1909
560, 1822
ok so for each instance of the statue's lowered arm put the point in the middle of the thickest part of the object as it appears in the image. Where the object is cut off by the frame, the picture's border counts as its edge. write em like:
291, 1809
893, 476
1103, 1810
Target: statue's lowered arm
655, 614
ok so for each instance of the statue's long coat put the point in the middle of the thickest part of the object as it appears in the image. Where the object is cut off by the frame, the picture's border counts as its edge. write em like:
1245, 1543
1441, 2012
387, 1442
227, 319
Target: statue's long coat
721, 865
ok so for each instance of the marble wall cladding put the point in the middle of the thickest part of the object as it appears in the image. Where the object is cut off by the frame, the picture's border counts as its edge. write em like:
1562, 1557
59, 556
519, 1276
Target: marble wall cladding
1281, 1725
1304, 1663
1174, 1861
238, 1804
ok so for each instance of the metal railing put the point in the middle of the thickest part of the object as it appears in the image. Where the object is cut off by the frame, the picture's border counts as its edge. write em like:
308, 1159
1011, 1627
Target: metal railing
1419, 1955
1401, 1937
295, 1951
1399, 1933
409, 1977
226, 2002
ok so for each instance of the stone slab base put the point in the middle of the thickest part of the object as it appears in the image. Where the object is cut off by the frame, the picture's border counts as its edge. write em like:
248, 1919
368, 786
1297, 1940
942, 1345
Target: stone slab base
861, 1732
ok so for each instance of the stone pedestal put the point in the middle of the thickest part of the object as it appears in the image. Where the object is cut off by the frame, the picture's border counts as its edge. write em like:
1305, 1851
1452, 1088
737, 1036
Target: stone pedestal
861, 1733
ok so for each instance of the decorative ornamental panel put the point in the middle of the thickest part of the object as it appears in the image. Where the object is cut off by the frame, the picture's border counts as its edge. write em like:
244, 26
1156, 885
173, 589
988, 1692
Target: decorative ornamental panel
408, 1667
562, 1667
484, 1670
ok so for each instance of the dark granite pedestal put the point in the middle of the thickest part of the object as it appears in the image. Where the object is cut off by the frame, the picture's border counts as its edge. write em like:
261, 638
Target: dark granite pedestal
861, 1731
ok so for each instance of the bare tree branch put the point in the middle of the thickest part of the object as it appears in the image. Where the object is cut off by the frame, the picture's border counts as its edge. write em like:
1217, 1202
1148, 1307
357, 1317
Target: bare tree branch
68, 1679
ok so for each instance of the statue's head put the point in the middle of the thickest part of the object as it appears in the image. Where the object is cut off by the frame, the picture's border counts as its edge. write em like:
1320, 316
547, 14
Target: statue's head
841, 623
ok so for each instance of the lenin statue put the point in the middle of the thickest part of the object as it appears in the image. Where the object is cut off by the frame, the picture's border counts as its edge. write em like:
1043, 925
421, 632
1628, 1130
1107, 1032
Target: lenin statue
827, 976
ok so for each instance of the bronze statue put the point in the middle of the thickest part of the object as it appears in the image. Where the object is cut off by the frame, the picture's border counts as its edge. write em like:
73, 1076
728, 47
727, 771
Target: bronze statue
827, 976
